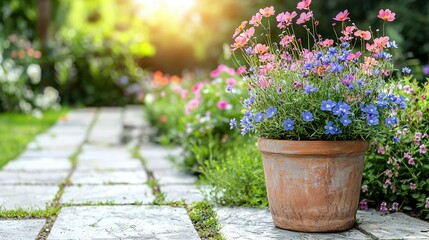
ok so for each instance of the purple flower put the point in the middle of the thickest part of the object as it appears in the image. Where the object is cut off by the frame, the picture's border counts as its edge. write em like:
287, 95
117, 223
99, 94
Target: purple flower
390, 121
279, 90
330, 128
307, 116
422, 149
425, 69
372, 120
229, 88
363, 204
413, 186
395, 206
345, 120
327, 105
427, 202
232, 123
383, 207
309, 89
308, 66
249, 50
288, 124
406, 70
258, 117
271, 111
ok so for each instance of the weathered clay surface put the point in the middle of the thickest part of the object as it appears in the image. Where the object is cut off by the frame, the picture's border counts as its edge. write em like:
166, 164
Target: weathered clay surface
27, 197
107, 193
108, 177
257, 224
123, 222
392, 226
20, 229
313, 186
54, 177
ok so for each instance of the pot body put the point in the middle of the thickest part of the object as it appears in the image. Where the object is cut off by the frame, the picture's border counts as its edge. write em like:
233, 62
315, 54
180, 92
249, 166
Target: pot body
313, 186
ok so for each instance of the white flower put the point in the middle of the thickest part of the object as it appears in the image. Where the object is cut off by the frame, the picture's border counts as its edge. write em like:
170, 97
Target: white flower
25, 106
51, 94
35, 73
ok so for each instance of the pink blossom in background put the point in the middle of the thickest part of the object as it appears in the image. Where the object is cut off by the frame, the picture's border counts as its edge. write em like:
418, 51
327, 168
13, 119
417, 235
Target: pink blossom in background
261, 48
231, 82
239, 28
285, 19
304, 17
197, 87
422, 149
327, 42
386, 15
192, 104
256, 20
286, 40
363, 204
241, 70
365, 35
342, 16
411, 161
222, 104
184, 93
304, 4
267, 12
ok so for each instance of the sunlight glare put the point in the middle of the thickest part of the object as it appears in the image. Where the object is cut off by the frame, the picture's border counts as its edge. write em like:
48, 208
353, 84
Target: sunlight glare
177, 8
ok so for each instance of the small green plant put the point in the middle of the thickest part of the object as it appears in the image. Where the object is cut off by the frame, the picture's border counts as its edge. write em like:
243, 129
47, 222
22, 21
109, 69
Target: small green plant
204, 218
22, 213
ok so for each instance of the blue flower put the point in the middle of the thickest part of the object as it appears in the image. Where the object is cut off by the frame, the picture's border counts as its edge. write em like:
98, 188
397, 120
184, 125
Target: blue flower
341, 108
395, 140
309, 89
406, 70
249, 50
392, 44
258, 117
390, 121
308, 66
332, 51
336, 67
368, 92
372, 120
229, 88
371, 110
360, 82
327, 105
288, 124
330, 128
249, 101
345, 44
345, 120
319, 55
307, 116
271, 111
232, 123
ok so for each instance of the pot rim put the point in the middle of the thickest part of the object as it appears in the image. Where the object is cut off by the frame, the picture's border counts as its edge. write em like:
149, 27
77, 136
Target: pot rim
312, 147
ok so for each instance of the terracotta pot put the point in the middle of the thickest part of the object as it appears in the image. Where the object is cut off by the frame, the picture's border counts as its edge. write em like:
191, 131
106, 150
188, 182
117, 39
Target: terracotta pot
313, 186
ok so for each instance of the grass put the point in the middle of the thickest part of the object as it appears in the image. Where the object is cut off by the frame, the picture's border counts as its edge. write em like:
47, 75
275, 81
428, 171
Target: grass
17, 130
205, 220
22, 213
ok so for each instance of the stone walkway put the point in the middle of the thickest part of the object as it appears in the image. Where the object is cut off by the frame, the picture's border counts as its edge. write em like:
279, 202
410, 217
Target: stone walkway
88, 165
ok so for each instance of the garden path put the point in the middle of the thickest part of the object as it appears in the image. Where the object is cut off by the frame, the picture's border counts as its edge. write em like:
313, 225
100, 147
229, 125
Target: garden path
93, 175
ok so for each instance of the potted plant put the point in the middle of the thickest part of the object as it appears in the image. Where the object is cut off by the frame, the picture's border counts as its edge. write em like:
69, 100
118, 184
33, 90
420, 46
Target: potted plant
315, 104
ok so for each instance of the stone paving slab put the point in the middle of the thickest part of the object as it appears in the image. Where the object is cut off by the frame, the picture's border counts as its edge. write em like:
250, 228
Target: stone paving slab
47, 141
47, 153
170, 177
105, 154
11, 178
392, 226
123, 222
256, 224
26, 196
38, 165
108, 165
20, 229
108, 177
123, 194
188, 193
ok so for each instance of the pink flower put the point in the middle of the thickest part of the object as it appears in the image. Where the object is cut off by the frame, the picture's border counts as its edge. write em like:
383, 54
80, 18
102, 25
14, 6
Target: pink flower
427, 203
285, 19
241, 69
386, 15
240, 42
418, 135
408, 89
365, 35
267, 12
304, 17
286, 40
407, 155
422, 149
327, 43
342, 16
387, 183
192, 104
380, 150
413, 186
261, 48
231, 82
411, 161
184, 93
395, 206
349, 30
263, 82
250, 32
197, 87
267, 57
304, 4
222, 104
239, 28
256, 20
363, 204
354, 56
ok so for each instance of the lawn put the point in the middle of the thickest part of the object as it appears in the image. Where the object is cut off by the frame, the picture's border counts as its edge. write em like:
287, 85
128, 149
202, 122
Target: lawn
17, 130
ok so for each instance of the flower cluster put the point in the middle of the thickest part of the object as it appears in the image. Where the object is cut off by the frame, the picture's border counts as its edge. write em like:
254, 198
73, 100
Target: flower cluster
320, 88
